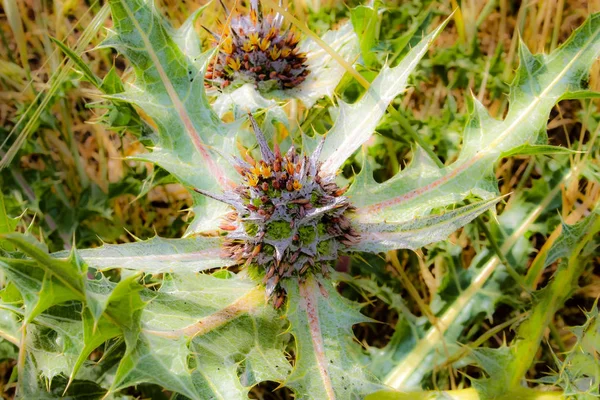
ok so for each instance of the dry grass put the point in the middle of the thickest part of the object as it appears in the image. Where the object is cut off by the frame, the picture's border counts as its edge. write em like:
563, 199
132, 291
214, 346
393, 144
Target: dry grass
79, 151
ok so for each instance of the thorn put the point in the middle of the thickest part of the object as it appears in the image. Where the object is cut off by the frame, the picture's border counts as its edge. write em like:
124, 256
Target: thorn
265, 151
227, 12
137, 239
214, 35
68, 384
217, 197
314, 158
291, 152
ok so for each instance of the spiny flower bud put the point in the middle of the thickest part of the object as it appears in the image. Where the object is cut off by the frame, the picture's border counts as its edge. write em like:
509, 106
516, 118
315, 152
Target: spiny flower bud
285, 230
255, 49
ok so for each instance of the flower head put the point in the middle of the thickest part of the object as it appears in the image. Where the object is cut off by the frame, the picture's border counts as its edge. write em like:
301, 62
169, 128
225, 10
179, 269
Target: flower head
255, 49
287, 218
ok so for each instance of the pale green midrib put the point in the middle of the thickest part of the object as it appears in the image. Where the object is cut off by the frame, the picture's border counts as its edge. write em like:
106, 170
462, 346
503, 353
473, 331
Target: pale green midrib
188, 125
317, 340
179, 256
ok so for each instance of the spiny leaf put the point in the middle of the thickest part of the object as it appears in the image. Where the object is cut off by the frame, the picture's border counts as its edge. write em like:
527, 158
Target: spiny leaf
119, 113
356, 123
158, 255
53, 334
39, 289
539, 84
414, 234
570, 239
206, 337
549, 300
327, 359
507, 366
169, 87
466, 293
120, 316
579, 373
44, 281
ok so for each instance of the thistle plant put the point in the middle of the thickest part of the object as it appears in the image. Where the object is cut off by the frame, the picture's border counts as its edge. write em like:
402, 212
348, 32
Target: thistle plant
255, 49
280, 216
260, 59
288, 220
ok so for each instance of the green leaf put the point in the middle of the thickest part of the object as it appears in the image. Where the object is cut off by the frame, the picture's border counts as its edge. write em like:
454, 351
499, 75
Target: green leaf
111, 84
539, 84
551, 298
467, 293
356, 123
39, 288
327, 359
54, 340
570, 238
43, 282
169, 87
206, 337
7, 225
579, 373
419, 232
158, 255
120, 315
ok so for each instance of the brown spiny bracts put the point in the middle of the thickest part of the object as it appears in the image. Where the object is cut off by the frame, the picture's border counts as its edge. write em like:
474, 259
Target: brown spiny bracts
287, 220
255, 49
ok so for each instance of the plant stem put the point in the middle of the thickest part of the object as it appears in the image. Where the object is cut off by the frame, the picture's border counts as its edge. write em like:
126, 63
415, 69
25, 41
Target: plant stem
558, 291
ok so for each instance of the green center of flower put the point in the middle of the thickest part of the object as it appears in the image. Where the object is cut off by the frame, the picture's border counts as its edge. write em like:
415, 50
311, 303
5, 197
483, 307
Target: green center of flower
255, 49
